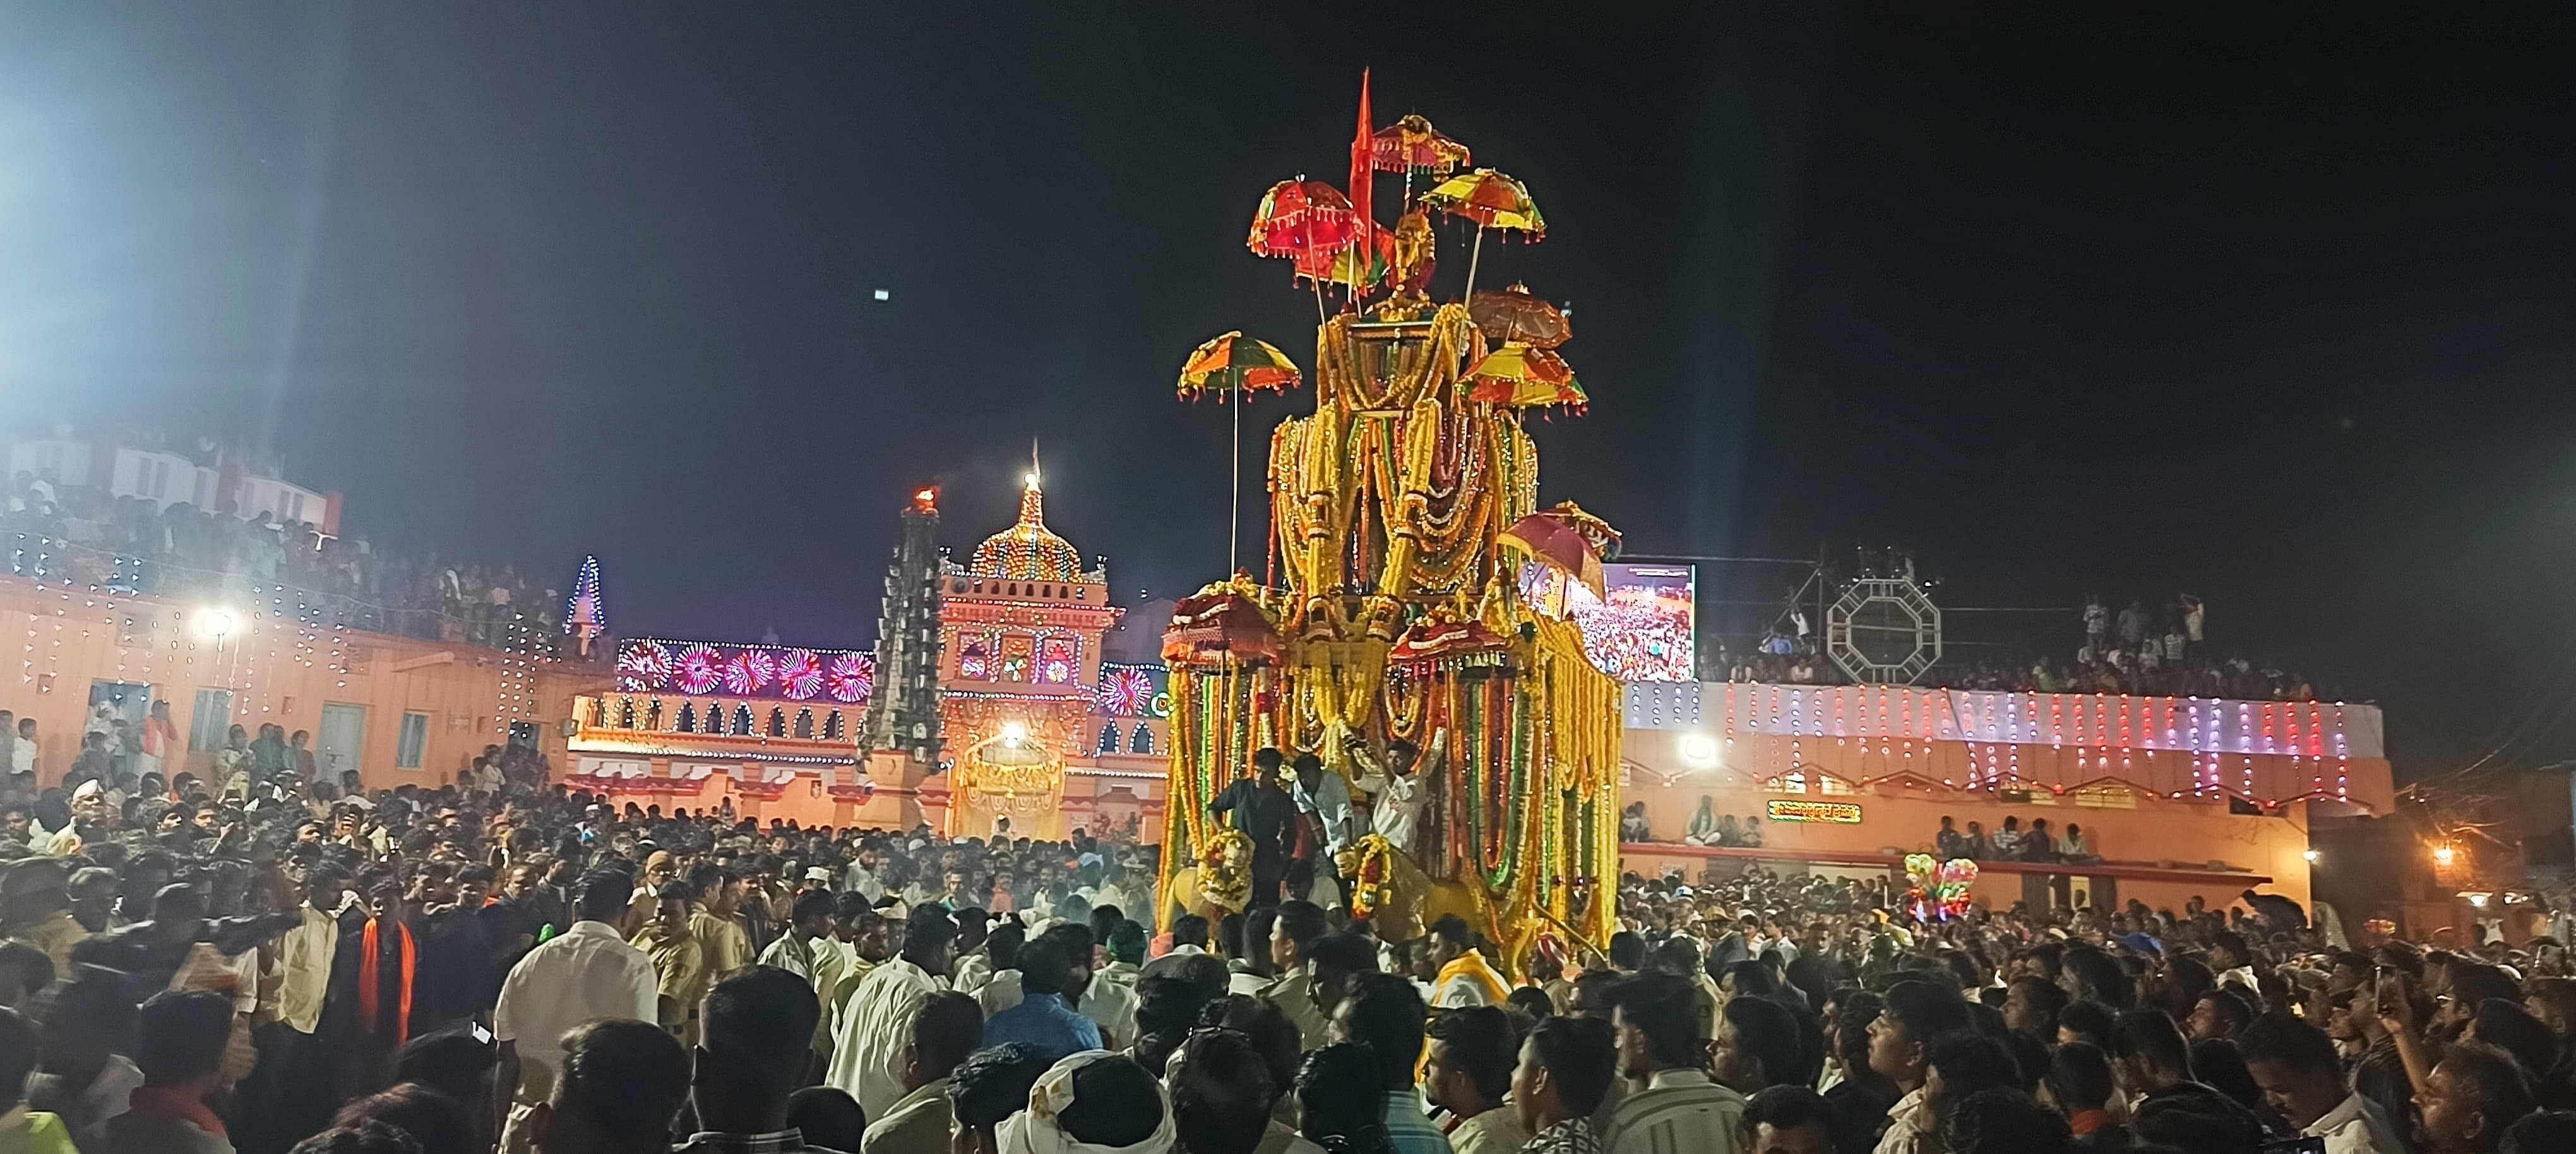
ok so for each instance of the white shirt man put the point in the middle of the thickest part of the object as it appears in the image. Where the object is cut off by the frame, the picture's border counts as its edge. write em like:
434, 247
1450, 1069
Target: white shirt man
1111, 1005
2355, 1127
999, 992
584, 973
1907, 1130
1679, 1109
1399, 811
875, 1030
863, 879
1330, 802
304, 955
797, 955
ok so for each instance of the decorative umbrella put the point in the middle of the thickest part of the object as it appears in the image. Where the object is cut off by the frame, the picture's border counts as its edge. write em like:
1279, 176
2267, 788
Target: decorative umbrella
1300, 216
1232, 364
1345, 265
1492, 200
1411, 145
1220, 626
1517, 376
1515, 314
1568, 540
1441, 640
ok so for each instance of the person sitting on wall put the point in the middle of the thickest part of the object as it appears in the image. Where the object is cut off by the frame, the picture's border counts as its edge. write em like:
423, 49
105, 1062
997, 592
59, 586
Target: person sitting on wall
1703, 822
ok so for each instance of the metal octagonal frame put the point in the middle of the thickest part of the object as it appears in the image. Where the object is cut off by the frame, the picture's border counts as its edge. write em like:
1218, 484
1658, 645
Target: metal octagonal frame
1910, 601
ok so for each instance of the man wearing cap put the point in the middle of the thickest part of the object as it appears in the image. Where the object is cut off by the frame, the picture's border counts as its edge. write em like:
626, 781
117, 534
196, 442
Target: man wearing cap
36, 908
660, 869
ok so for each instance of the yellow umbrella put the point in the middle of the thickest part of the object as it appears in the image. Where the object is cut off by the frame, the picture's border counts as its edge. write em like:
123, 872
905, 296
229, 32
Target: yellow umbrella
1231, 364
1492, 200
1521, 376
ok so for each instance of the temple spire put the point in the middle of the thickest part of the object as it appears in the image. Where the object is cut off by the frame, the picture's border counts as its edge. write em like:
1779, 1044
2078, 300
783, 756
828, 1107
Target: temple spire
1032, 494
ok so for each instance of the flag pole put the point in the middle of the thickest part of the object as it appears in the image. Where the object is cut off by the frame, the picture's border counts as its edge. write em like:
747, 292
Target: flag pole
1234, 510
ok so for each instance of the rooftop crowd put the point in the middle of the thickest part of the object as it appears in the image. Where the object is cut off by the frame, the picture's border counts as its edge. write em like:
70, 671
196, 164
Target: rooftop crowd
258, 965
75, 532
2136, 650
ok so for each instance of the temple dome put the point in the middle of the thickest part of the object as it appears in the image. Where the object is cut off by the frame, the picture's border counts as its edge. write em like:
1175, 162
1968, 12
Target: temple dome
1027, 551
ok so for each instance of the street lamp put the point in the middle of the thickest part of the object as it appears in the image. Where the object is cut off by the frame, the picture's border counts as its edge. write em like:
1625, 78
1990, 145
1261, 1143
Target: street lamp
2443, 855
2311, 855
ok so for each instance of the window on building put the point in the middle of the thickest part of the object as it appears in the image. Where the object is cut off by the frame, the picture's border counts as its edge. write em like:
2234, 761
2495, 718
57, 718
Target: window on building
1143, 742
778, 721
211, 718
415, 736
742, 721
1108, 740
1055, 661
688, 717
832, 724
805, 724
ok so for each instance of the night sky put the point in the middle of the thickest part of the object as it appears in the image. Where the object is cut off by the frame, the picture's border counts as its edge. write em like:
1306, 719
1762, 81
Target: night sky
2273, 307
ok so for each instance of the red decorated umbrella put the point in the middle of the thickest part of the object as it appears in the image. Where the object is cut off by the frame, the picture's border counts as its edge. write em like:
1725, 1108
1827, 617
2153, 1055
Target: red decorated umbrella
1492, 200
1568, 540
1515, 314
1219, 626
1301, 216
1517, 376
1411, 145
1441, 640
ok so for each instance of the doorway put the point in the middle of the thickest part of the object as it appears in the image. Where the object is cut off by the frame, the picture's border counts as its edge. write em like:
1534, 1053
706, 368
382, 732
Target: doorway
111, 702
343, 737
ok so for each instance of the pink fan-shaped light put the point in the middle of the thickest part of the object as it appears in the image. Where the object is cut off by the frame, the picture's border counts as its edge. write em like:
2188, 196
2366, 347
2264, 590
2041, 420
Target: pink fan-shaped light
850, 677
800, 673
644, 665
749, 671
700, 668
1125, 692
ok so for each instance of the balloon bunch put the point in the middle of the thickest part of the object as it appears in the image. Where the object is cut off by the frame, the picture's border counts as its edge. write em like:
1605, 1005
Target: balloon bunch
1940, 889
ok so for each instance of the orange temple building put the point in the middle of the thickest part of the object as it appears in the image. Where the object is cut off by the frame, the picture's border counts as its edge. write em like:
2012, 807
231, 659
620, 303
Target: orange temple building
1051, 715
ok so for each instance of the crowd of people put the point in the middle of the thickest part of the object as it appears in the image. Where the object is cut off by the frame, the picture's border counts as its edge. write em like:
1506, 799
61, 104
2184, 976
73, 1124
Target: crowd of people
265, 965
2135, 651
62, 531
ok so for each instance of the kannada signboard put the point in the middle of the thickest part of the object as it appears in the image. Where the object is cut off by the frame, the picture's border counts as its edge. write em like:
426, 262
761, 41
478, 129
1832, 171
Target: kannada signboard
1835, 812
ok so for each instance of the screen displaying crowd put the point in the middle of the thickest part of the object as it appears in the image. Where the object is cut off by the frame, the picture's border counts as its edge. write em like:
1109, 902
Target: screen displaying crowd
262, 965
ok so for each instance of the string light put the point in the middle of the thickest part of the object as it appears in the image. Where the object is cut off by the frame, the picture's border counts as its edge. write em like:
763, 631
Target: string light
2023, 738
